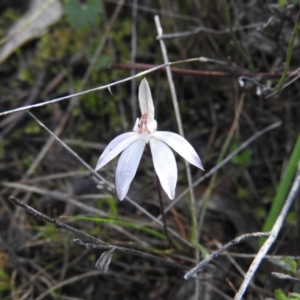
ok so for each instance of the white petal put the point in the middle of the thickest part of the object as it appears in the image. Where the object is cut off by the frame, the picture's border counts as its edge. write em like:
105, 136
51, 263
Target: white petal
116, 146
164, 165
181, 146
127, 166
145, 98
152, 125
145, 136
136, 125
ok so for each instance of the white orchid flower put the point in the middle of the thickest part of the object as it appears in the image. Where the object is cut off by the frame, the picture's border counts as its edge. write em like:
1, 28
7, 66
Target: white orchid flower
133, 144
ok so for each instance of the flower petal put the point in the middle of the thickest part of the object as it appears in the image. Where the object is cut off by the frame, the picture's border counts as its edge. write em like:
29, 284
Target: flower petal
164, 165
116, 146
145, 99
152, 125
127, 166
181, 146
136, 125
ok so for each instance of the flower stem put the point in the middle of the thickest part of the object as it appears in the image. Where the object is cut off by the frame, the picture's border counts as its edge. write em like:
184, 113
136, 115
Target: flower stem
158, 188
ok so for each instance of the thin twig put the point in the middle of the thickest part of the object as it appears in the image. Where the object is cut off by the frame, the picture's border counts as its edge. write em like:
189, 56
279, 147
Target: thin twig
270, 240
58, 131
107, 86
41, 216
286, 277
199, 29
98, 244
131, 251
216, 253
207, 73
290, 74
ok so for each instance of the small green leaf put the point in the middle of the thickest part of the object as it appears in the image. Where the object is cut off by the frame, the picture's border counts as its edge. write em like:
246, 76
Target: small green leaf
244, 158
279, 294
243, 193
259, 213
48, 232
102, 62
33, 128
286, 263
291, 264
282, 3
292, 218
83, 16
4, 287
4, 281
4, 276
112, 206
294, 296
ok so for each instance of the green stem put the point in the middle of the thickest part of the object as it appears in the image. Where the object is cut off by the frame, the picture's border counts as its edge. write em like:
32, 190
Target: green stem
161, 205
288, 55
119, 222
283, 188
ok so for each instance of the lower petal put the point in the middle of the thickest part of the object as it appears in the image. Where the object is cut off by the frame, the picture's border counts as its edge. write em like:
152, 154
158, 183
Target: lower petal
115, 147
181, 146
164, 165
127, 166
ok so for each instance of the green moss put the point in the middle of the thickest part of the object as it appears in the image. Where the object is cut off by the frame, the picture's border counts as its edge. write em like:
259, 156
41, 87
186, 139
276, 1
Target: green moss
291, 218
10, 15
259, 213
61, 42
243, 193
26, 76
4, 281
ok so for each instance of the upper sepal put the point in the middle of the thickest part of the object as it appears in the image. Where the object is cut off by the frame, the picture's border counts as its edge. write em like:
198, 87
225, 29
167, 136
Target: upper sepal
145, 99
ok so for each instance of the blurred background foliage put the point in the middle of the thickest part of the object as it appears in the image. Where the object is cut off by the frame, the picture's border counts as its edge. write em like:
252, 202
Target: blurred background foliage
90, 43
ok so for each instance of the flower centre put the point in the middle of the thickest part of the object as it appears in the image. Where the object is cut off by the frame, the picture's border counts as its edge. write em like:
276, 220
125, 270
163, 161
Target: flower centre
145, 127
142, 126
